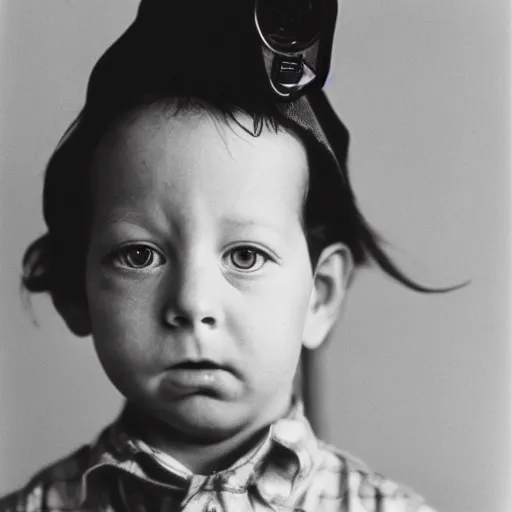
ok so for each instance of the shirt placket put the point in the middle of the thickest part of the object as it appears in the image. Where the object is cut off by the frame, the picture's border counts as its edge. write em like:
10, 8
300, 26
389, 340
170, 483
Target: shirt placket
222, 492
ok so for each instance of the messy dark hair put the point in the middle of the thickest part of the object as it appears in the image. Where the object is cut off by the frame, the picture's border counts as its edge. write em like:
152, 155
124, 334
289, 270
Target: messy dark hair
55, 262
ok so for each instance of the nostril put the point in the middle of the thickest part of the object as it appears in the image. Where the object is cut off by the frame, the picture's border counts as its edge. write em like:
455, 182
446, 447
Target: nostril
185, 322
180, 321
208, 320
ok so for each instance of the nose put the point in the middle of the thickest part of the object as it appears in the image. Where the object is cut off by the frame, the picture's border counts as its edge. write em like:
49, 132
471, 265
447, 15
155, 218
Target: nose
193, 300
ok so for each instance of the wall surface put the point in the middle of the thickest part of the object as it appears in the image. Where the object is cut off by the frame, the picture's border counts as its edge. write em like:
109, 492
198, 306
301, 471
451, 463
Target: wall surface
417, 385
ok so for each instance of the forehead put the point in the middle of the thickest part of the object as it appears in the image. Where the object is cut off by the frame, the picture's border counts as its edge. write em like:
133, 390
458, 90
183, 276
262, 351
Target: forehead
195, 160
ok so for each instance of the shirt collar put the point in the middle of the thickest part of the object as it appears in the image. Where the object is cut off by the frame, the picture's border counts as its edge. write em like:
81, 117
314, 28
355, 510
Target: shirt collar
285, 457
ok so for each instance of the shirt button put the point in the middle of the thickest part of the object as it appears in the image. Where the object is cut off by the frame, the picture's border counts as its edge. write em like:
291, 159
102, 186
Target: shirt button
212, 507
229, 480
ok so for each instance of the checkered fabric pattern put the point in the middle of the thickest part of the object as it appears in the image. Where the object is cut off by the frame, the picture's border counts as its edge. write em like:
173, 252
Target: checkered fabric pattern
290, 471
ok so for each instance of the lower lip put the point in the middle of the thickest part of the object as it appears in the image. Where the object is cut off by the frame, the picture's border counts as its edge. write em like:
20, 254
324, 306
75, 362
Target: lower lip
188, 380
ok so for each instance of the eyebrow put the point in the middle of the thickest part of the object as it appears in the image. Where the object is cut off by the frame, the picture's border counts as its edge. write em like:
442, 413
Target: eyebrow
134, 219
253, 223
123, 215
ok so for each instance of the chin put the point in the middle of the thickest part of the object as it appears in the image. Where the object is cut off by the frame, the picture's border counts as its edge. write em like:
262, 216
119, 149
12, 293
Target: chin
205, 419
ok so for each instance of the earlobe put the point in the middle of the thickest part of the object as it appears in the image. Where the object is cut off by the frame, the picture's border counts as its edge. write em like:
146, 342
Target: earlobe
75, 316
332, 275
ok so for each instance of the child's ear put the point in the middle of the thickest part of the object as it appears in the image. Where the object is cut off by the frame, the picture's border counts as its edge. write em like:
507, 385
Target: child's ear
332, 276
76, 316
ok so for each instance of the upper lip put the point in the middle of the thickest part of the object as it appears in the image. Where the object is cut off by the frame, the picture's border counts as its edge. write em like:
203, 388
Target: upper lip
200, 364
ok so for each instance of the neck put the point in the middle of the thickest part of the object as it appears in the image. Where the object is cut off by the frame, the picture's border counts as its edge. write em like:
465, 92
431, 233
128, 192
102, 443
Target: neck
203, 456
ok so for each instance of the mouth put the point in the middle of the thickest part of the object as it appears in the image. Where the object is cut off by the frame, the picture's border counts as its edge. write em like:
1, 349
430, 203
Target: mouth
203, 376
201, 365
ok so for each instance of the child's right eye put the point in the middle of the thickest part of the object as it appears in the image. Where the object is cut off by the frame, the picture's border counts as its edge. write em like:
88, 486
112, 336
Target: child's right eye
137, 256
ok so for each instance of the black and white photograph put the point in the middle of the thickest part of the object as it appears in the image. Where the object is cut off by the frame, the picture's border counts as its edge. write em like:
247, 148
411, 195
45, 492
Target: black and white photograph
255, 255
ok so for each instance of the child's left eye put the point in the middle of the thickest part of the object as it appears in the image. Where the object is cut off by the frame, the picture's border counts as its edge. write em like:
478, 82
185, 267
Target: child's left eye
137, 256
247, 259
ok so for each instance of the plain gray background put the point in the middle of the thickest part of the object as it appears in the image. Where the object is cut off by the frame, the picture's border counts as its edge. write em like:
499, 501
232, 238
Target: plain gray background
416, 385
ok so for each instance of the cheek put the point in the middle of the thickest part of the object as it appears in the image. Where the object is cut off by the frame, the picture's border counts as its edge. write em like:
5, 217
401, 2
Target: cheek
274, 316
273, 342
120, 322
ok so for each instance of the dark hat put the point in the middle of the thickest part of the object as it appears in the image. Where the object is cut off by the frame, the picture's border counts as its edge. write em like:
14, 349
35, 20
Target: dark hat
210, 49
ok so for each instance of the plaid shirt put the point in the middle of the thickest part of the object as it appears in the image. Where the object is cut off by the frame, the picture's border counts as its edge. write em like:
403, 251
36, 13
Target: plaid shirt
290, 471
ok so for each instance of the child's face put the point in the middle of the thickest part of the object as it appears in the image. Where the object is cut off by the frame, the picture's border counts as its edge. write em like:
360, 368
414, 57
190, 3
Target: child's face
198, 274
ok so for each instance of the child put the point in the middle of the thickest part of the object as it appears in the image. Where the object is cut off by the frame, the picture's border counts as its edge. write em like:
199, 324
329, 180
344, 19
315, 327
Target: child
203, 234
